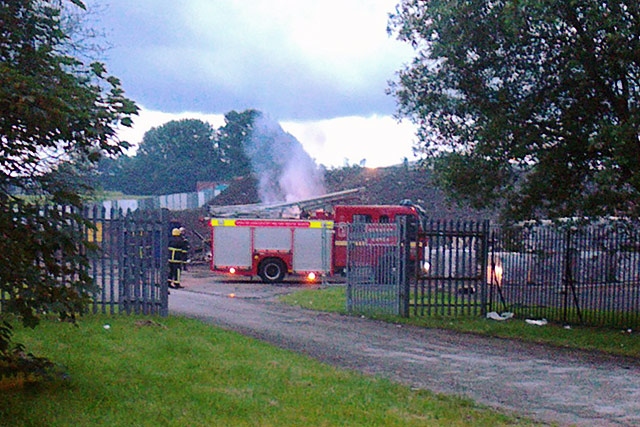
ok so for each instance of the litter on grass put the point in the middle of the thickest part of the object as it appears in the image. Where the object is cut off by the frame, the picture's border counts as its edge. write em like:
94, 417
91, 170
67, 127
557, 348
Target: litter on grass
540, 322
495, 316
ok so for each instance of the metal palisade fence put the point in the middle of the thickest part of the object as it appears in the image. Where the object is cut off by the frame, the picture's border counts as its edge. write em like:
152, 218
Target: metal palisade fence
452, 277
130, 265
566, 272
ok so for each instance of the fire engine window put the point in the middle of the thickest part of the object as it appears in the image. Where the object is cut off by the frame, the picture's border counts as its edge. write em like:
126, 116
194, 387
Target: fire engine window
384, 219
361, 218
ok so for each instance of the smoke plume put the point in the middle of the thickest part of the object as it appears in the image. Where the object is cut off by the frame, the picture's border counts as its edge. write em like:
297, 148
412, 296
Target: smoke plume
285, 171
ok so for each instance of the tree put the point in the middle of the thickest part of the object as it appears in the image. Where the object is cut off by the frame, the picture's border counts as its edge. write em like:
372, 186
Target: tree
530, 104
55, 111
175, 156
230, 141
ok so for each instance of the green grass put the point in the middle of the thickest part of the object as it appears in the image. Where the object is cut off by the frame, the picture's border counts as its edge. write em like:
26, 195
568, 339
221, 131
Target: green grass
175, 372
617, 342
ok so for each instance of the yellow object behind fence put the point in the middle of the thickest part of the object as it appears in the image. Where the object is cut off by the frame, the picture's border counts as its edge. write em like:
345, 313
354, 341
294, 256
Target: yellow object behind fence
95, 235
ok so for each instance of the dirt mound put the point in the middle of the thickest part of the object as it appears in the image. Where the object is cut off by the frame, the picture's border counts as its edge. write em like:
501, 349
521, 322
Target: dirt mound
241, 191
385, 186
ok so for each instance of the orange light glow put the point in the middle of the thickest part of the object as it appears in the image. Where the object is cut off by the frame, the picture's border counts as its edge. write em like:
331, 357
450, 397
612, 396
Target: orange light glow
232, 295
232, 270
495, 273
498, 272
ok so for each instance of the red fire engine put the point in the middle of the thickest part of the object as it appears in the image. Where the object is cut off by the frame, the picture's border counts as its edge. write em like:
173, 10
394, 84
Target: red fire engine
310, 247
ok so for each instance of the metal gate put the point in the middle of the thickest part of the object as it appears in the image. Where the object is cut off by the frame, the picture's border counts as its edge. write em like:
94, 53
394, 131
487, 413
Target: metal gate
377, 273
455, 274
130, 266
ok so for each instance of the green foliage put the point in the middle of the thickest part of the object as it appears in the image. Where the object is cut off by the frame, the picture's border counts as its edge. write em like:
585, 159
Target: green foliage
45, 262
531, 103
480, 178
173, 157
57, 115
19, 367
230, 142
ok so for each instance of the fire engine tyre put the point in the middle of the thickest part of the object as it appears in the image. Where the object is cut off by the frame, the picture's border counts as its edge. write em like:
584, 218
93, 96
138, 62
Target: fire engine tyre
272, 270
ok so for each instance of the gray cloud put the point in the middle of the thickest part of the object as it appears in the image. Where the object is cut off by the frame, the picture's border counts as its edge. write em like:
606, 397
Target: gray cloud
219, 56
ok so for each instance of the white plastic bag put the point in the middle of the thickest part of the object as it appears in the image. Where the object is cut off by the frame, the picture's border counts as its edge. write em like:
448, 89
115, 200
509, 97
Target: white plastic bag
540, 322
495, 316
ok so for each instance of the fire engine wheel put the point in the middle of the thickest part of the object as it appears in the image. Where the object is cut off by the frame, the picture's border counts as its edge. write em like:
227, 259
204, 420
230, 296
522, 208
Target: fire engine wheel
272, 270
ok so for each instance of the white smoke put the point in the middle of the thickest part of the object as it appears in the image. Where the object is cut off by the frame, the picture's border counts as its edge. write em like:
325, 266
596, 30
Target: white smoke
286, 173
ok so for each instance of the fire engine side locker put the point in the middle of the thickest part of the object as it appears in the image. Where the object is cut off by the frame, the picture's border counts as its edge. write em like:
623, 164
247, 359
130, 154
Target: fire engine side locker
313, 248
230, 244
235, 242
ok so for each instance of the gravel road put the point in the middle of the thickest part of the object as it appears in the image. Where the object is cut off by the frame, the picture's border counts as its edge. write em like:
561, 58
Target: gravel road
550, 385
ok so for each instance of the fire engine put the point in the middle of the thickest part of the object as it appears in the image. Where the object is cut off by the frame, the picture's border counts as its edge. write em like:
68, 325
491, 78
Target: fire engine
307, 247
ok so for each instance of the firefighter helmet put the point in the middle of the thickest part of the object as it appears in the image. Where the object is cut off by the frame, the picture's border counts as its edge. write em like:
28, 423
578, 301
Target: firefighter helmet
175, 232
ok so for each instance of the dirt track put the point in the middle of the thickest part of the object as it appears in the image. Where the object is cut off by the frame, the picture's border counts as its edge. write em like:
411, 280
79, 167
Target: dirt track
552, 385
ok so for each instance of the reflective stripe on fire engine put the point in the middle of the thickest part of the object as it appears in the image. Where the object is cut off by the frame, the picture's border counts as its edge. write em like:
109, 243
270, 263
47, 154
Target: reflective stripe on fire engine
344, 243
223, 222
321, 224
270, 223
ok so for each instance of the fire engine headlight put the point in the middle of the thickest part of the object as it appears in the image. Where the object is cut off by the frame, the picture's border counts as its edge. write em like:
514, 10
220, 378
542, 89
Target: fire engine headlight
232, 270
311, 277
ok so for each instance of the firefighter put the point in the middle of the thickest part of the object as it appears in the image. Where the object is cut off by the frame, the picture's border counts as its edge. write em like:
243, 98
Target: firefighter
178, 252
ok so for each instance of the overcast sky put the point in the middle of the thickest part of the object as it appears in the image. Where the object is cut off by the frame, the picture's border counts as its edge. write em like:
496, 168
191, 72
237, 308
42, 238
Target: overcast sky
320, 68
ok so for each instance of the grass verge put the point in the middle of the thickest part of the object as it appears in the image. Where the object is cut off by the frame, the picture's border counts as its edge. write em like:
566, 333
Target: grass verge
175, 372
616, 342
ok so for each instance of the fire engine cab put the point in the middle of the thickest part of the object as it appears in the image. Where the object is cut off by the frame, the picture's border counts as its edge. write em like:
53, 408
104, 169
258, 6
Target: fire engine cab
369, 214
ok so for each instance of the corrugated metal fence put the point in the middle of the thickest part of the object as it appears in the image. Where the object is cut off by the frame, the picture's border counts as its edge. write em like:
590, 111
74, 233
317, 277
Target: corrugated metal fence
173, 202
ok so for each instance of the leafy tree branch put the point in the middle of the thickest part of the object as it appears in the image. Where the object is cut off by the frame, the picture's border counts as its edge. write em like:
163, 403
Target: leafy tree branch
531, 105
